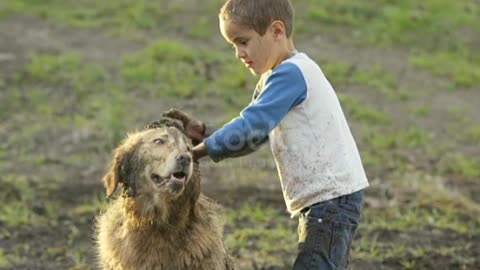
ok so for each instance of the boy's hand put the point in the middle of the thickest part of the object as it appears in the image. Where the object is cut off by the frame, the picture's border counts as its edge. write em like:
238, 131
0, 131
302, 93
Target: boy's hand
194, 129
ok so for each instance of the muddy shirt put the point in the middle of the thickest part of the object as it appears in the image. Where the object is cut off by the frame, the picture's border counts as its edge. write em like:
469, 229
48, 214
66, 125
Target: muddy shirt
296, 108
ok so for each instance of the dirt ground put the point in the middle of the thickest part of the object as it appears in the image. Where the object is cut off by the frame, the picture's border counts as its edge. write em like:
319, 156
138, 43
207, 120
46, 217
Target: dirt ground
66, 242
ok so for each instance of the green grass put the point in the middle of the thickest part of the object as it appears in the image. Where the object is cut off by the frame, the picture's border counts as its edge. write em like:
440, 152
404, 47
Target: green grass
363, 113
79, 111
459, 164
395, 21
413, 24
418, 218
386, 148
264, 233
158, 67
121, 14
337, 73
9, 260
66, 69
127, 17
408, 254
172, 68
462, 68
378, 78
473, 134
422, 111
90, 205
21, 207
70, 93
3, 259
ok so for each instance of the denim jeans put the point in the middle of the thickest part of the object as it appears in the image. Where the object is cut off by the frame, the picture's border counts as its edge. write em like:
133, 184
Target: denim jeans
326, 231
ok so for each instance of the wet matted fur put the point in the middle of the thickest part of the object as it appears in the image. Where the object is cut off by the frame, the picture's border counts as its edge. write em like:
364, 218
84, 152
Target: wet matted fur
162, 221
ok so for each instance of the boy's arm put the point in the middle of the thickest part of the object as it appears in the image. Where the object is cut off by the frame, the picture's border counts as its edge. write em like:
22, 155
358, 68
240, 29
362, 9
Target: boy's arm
199, 151
208, 130
285, 88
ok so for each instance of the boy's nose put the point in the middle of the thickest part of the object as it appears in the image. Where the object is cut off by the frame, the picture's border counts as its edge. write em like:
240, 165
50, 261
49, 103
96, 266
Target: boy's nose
240, 54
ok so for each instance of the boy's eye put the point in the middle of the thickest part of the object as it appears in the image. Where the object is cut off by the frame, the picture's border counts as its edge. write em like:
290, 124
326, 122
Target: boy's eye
243, 42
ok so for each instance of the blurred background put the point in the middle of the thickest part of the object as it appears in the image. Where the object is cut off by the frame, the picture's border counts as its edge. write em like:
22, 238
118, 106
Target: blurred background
77, 75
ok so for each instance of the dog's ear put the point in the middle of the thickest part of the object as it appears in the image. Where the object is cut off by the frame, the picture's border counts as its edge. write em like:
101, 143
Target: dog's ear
116, 171
112, 177
122, 169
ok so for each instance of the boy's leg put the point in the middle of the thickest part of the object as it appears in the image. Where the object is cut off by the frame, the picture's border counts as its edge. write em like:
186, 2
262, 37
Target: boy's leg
326, 232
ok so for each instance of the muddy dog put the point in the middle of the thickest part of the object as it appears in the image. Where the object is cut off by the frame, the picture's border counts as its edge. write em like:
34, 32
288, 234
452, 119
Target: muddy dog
162, 221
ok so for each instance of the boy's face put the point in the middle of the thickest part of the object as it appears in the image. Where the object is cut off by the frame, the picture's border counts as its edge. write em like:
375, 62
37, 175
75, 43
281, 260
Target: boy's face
258, 53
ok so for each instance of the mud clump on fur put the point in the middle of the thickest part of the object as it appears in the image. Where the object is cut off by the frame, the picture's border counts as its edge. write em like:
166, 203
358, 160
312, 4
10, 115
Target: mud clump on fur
162, 221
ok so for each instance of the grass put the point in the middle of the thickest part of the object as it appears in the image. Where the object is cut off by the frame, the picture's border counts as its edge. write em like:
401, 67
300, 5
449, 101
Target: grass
262, 236
79, 111
391, 22
463, 69
154, 71
418, 219
422, 111
473, 134
20, 194
387, 148
8, 260
126, 18
80, 92
375, 23
412, 24
377, 78
76, 82
359, 111
461, 165
156, 68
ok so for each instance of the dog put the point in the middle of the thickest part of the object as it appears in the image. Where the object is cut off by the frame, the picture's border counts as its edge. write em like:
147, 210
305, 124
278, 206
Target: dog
161, 221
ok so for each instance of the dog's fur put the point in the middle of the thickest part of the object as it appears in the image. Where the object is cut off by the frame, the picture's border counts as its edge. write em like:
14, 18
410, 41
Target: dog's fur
162, 221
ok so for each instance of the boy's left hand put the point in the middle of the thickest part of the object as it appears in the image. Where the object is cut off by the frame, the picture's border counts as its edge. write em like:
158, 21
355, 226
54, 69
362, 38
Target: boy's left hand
194, 129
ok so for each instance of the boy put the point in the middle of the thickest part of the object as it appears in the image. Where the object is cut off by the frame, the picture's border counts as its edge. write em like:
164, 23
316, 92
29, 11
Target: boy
295, 108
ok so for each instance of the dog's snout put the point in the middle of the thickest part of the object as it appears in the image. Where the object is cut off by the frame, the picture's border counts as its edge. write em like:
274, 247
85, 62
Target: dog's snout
184, 159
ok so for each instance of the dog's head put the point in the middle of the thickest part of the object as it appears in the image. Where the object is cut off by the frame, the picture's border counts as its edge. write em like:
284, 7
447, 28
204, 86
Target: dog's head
153, 164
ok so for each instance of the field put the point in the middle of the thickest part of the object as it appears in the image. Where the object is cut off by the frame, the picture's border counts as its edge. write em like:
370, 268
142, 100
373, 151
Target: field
77, 76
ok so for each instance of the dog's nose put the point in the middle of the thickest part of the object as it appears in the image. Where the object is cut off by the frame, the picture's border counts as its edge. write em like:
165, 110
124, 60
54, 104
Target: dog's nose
184, 159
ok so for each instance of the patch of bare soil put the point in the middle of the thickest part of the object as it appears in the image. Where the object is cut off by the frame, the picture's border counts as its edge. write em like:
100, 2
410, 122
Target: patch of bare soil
425, 88
62, 241
21, 35
447, 249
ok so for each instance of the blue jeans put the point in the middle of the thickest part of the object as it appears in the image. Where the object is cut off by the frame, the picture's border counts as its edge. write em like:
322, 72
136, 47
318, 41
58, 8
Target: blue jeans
326, 231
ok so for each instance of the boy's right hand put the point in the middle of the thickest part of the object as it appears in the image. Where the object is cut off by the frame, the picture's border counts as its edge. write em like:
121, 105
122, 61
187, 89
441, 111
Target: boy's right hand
194, 129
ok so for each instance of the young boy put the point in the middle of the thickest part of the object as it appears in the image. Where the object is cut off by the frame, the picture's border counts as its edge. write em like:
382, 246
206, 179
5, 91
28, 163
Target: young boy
295, 108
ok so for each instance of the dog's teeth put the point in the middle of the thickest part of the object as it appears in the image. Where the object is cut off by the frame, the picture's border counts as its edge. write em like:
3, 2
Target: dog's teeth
179, 175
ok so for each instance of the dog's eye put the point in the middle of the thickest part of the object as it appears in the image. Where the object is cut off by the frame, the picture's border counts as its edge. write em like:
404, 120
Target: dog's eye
189, 148
159, 141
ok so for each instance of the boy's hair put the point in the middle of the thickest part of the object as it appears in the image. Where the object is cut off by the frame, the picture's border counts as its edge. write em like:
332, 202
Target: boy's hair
259, 14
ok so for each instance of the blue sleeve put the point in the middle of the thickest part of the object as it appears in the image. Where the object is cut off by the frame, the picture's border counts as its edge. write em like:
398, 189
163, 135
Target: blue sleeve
284, 89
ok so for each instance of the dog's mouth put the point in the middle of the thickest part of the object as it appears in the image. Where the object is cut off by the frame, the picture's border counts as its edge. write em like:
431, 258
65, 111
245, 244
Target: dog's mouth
176, 180
178, 177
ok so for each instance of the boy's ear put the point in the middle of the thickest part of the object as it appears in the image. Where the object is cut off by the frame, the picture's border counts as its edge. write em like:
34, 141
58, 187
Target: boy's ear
278, 28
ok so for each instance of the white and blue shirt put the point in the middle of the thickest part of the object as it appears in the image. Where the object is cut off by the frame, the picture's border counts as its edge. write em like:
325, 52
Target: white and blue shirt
296, 109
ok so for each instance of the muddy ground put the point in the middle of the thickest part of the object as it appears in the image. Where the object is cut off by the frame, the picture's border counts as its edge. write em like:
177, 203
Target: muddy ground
51, 168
